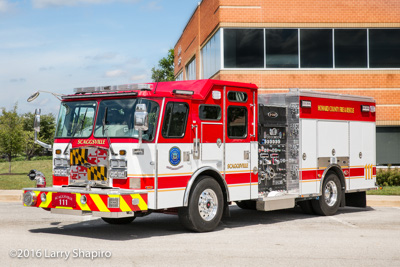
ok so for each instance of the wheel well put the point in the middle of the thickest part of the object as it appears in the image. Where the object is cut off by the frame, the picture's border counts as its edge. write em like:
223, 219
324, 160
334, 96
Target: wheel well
338, 171
209, 172
218, 178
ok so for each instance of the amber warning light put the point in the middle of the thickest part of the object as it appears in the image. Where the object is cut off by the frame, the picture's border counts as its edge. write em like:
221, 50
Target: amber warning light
305, 104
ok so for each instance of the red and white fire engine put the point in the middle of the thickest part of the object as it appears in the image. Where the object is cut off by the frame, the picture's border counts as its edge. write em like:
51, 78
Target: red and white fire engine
195, 147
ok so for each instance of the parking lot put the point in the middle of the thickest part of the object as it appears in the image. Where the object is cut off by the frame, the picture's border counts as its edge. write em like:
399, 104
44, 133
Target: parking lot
363, 237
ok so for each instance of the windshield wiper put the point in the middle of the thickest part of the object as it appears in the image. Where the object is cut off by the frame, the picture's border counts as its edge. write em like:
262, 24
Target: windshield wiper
79, 125
105, 131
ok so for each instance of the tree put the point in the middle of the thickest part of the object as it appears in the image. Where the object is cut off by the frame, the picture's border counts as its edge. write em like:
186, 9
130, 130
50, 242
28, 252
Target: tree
46, 135
11, 134
165, 72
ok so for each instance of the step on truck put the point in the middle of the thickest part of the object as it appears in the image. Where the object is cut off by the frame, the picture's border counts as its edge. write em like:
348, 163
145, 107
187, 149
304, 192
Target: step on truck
193, 148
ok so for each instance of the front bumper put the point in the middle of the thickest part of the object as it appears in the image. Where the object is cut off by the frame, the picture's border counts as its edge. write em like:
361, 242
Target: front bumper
111, 203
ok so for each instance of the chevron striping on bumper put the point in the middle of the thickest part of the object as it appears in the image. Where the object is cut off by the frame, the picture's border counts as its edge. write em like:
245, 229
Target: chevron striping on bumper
78, 201
99, 203
142, 204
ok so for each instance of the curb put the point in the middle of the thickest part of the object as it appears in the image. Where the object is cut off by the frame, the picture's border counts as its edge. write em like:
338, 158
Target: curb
11, 195
372, 200
383, 201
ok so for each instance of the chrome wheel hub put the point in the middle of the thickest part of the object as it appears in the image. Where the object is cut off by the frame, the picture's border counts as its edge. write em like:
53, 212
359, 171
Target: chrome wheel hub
208, 204
331, 193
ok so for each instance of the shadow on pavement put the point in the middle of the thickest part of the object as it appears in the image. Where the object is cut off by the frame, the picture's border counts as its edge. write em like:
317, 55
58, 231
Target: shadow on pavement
164, 225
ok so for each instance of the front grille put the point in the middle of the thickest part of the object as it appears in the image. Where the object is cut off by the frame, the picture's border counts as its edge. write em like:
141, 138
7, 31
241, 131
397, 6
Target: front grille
88, 164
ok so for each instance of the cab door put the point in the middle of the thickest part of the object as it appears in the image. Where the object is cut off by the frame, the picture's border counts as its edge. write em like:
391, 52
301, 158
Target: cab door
238, 133
212, 131
174, 168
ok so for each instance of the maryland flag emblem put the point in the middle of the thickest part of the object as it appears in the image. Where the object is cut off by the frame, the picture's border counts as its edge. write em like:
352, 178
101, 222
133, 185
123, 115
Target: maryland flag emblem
78, 157
88, 164
97, 173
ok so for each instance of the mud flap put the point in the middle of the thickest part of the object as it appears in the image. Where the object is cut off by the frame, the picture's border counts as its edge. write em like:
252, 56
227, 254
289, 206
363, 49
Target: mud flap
358, 199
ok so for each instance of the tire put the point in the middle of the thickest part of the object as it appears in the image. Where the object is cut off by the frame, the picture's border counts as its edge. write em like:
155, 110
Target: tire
125, 220
329, 202
205, 207
247, 204
306, 207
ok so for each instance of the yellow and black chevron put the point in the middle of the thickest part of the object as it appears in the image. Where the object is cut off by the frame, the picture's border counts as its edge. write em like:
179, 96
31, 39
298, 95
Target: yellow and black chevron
97, 173
78, 157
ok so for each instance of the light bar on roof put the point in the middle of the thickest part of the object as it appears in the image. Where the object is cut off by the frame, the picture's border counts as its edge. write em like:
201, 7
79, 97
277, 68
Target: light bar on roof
113, 88
182, 92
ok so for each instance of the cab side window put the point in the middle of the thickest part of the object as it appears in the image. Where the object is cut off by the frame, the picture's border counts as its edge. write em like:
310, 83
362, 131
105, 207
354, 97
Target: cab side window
237, 122
210, 112
175, 120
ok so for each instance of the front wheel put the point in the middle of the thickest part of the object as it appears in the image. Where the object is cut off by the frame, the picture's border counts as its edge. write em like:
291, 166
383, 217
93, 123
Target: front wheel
125, 220
206, 203
328, 203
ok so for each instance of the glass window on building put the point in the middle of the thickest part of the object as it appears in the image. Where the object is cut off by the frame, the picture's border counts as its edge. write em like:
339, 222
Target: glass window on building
243, 48
191, 70
316, 48
384, 48
351, 49
211, 56
179, 77
388, 145
282, 48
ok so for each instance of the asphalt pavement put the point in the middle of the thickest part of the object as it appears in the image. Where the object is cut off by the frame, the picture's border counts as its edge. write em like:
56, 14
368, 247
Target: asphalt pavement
372, 200
353, 237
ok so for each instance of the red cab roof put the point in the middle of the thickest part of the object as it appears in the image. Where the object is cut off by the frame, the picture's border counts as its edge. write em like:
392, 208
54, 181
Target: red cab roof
200, 89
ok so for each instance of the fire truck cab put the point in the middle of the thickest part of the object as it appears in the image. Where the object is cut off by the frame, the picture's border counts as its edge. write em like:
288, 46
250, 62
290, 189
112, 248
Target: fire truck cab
194, 147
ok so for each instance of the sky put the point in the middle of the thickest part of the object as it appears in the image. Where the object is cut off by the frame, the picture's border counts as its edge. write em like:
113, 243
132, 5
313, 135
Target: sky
58, 45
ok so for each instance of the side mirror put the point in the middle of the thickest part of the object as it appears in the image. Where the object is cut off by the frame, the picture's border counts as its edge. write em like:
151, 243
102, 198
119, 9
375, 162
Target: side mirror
36, 123
141, 119
36, 128
33, 96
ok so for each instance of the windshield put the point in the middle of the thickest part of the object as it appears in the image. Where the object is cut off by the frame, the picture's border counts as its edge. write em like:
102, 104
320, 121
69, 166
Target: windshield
76, 119
119, 118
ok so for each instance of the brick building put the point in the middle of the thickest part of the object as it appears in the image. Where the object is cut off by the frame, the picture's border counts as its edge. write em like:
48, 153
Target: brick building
339, 46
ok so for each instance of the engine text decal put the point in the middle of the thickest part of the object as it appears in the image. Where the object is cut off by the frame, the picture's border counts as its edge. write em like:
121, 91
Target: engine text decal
336, 109
91, 142
238, 166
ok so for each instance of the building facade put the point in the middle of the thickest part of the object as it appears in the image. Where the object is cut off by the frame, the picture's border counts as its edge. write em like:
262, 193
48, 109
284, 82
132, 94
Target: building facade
338, 46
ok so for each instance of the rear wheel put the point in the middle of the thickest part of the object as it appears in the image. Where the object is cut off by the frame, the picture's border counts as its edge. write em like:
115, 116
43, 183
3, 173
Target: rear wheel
328, 203
125, 220
206, 204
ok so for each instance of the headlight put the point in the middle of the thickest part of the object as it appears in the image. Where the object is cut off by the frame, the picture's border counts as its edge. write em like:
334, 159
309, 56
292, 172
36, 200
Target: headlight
61, 172
43, 197
61, 162
118, 163
118, 174
57, 162
114, 163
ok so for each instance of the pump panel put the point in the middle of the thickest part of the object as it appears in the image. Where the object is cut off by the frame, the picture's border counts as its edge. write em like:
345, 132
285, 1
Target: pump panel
272, 145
